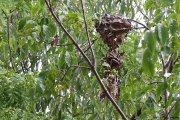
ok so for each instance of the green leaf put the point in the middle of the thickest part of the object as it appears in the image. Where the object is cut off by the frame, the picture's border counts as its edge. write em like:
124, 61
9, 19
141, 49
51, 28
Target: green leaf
46, 32
162, 33
178, 80
173, 26
11, 43
147, 64
29, 24
3, 71
156, 34
151, 42
52, 29
22, 23
92, 117
160, 89
105, 64
22, 42
94, 82
6, 50
158, 17
68, 59
148, 4
176, 6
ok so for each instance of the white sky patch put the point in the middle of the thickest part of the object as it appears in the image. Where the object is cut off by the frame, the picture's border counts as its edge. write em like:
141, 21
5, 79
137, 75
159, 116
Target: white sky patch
167, 75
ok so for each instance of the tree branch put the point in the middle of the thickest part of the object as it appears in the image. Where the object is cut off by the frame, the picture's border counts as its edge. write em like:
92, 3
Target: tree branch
165, 91
163, 63
87, 59
87, 33
8, 38
139, 23
169, 61
80, 66
141, 10
171, 108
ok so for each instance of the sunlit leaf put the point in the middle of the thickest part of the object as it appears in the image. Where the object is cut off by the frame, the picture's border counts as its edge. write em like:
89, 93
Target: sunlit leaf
147, 64
151, 41
105, 64
176, 6
148, 4
52, 29
160, 89
158, 17
162, 33
173, 26
46, 32
68, 58
59, 87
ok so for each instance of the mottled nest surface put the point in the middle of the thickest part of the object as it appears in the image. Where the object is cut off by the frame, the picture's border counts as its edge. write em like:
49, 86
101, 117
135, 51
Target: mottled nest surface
113, 30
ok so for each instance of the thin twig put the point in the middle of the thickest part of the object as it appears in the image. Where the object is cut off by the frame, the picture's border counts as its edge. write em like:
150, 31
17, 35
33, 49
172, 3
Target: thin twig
87, 33
169, 61
8, 38
138, 27
163, 63
139, 23
165, 91
154, 82
171, 108
64, 44
80, 66
89, 62
141, 10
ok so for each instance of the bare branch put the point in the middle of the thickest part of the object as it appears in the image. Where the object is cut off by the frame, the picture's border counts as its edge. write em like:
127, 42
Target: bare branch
141, 10
80, 66
8, 38
171, 108
165, 91
163, 63
169, 61
139, 23
87, 33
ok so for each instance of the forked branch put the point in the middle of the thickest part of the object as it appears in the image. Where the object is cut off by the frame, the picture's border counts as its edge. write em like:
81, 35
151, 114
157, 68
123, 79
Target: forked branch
87, 33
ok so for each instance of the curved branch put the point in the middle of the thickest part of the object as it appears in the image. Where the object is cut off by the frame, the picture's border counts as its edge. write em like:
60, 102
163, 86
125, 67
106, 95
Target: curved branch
87, 59
139, 23
141, 10
169, 60
87, 33
171, 108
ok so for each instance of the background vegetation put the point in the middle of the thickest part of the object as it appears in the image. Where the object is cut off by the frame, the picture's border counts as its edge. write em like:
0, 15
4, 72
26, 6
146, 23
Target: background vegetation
47, 77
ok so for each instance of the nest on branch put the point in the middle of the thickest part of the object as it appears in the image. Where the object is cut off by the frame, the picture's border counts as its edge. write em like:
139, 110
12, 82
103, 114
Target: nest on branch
113, 30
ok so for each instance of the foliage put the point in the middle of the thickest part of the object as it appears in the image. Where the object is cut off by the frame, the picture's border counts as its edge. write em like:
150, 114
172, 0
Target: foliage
44, 77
